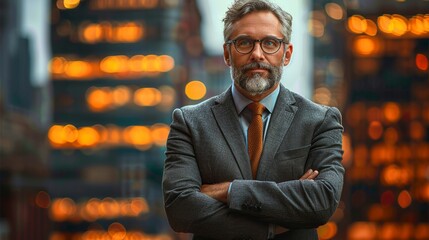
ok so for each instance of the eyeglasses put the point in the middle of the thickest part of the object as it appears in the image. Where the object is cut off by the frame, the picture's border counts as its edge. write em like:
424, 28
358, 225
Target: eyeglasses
245, 45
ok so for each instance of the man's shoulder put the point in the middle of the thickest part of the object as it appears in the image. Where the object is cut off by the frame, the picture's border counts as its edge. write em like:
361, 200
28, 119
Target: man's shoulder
307, 105
201, 106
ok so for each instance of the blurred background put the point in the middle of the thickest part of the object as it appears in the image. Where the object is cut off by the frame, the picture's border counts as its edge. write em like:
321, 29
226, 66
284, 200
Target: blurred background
87, 88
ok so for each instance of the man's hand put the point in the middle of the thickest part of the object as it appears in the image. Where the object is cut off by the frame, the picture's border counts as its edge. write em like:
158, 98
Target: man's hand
310, 175
218, 191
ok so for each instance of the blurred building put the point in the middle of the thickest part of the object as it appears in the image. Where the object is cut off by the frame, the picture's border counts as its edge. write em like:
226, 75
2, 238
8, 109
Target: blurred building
371, 61
23, 145
118, 70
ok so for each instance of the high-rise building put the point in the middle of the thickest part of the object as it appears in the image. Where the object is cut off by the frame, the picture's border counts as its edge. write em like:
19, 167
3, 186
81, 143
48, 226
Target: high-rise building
371, 61
118, 69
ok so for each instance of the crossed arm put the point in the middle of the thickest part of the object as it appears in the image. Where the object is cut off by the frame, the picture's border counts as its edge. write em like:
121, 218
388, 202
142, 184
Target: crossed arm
219, 191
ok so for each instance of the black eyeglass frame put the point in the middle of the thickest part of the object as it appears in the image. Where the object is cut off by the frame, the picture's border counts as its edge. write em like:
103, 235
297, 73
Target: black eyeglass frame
279, 40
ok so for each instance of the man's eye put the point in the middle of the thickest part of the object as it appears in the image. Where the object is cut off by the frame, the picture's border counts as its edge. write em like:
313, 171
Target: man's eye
244, 42
270, 43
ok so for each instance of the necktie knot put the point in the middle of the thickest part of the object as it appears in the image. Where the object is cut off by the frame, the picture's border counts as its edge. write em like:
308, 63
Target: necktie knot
256, 108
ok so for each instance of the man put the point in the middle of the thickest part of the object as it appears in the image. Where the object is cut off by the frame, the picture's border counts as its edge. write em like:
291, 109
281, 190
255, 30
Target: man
225, 180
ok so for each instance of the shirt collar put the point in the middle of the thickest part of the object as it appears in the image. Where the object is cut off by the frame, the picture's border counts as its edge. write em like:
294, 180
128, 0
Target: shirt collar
241, 101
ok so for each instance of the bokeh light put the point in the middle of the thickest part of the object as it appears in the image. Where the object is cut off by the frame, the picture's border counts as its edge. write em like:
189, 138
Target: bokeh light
195, 90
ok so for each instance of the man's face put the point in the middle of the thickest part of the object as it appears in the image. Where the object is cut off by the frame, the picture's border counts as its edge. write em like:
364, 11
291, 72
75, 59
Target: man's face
257, 72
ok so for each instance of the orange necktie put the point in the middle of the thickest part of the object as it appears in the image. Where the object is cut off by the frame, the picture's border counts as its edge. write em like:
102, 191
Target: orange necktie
255, 135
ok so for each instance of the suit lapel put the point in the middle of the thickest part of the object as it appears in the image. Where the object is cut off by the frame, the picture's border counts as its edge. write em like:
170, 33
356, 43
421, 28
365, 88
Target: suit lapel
227, 118
281, 120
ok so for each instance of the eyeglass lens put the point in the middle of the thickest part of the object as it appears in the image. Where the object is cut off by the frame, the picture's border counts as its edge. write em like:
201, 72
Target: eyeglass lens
246, 45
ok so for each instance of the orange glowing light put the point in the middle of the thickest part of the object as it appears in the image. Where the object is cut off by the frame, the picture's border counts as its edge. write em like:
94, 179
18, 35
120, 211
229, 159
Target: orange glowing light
393, 24
334, 11
114, 134
375, 130
365, 46
404, 199
396, 176
422, 62
114, 64
43, 200
360, 155
55, 134
195, 90
136, 63
400, 25
384, 23
417, 130
167, 63
371, 29
57, 65
424, 190
160, 134
129, 32
69, 133
357, 24
347, 148
422, 231
70, 4
151, 63
322, 95
63, 209
91, 33
121, 95
139, 206
391, 175
392, 112
91, 208
327, 231
99, 99
88, 136
362, 231
117, 231
147, 97
356, 114
391, 135
139, 136
109, 208
78, 69
376, 212
417, 25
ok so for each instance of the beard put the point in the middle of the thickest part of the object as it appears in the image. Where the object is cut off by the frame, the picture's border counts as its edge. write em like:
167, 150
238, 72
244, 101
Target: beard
256, 83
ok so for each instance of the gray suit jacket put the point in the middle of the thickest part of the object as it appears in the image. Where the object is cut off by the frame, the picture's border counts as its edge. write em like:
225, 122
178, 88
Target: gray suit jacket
206, 145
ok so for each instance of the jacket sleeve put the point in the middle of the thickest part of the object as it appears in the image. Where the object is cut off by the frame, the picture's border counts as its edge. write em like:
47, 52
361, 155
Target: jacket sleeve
189, 210
299, 203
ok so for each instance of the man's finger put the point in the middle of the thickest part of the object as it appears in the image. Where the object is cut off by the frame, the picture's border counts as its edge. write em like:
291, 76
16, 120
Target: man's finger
313, 175
307, 174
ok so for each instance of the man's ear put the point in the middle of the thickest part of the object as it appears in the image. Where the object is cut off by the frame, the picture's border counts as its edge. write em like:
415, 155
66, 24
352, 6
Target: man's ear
288, 54
226, 56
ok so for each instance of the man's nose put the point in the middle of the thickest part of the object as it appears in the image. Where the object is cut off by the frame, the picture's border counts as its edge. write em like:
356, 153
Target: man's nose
257, 52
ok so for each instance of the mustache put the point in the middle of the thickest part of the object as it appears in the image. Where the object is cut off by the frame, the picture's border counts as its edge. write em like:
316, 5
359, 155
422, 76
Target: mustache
259, 65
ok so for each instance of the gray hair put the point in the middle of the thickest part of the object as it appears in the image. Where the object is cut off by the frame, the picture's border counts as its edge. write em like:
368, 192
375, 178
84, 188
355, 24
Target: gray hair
240, 8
